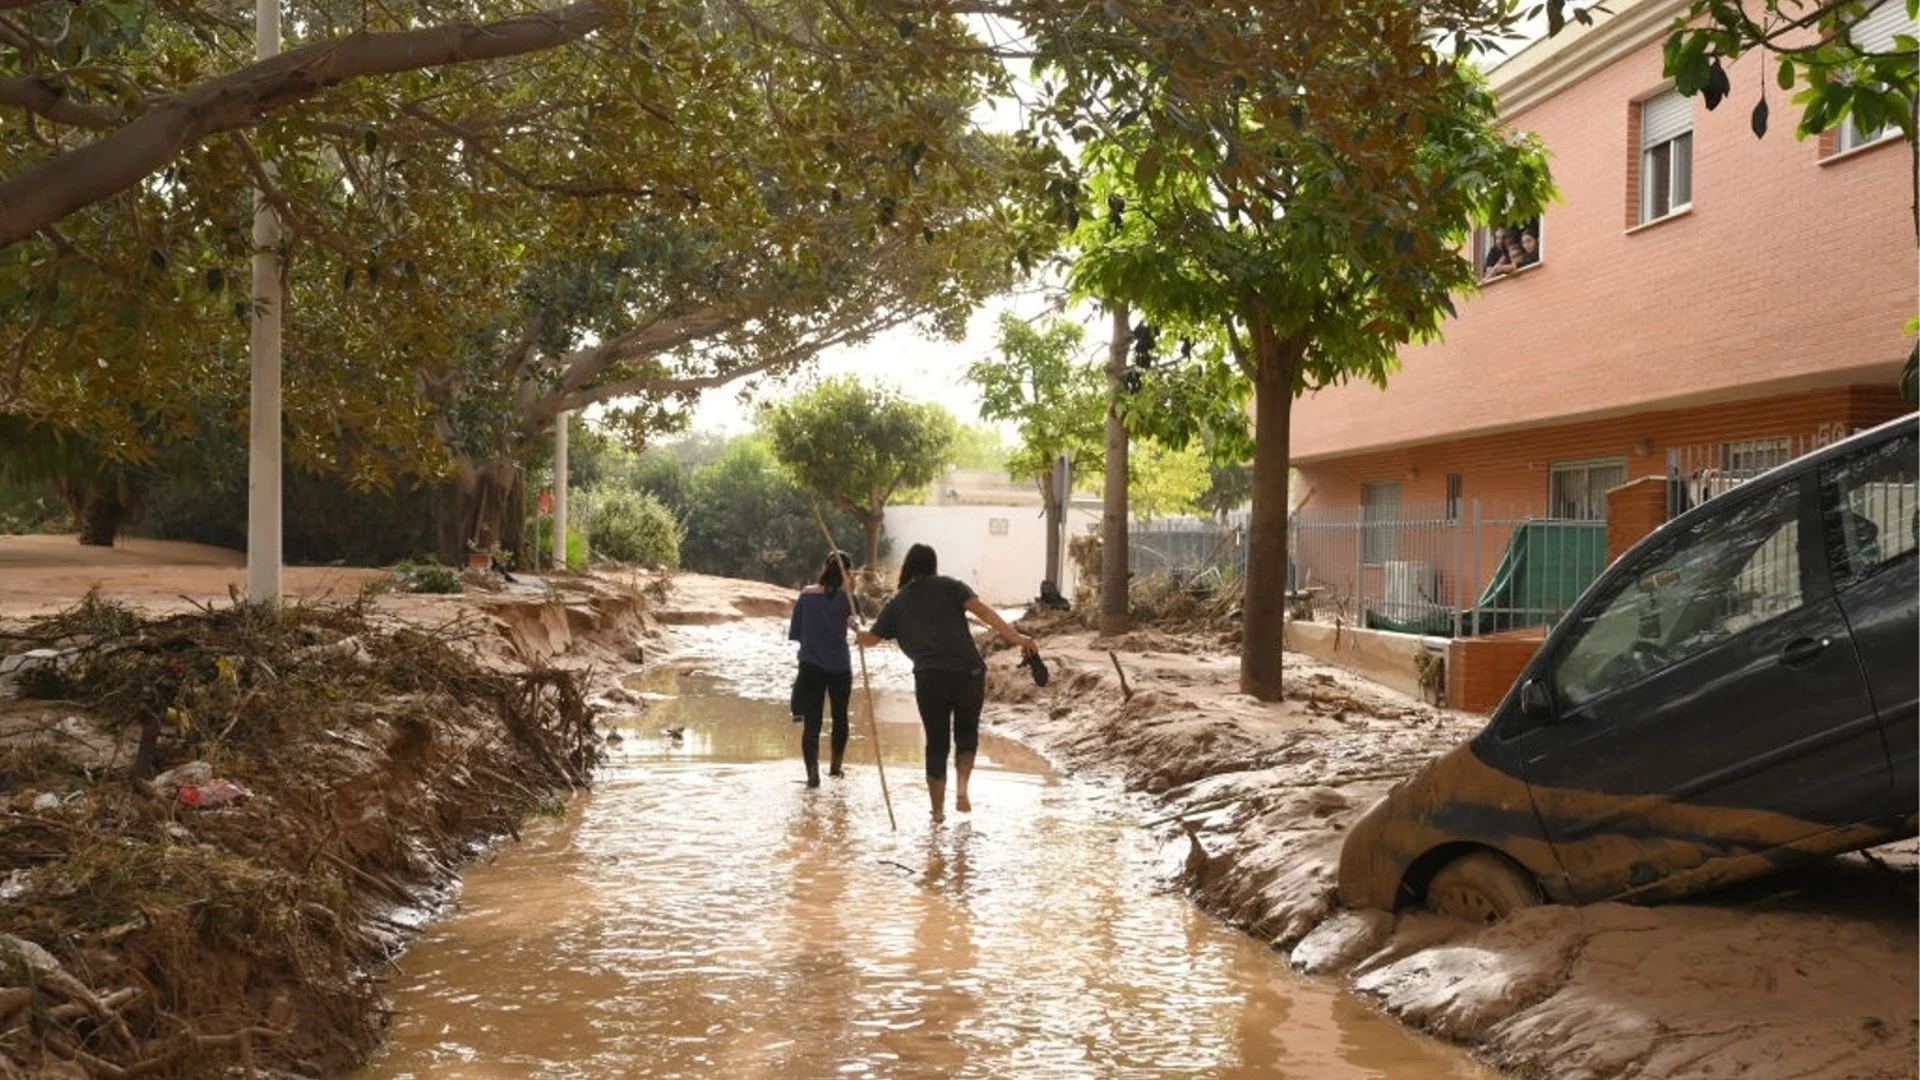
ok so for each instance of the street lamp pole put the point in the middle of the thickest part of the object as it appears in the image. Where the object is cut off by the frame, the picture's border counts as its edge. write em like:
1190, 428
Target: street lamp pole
264, 544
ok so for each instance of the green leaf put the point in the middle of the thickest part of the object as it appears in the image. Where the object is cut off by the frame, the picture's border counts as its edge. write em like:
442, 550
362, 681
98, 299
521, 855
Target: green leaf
1717, 87
1785, 77
1147, 169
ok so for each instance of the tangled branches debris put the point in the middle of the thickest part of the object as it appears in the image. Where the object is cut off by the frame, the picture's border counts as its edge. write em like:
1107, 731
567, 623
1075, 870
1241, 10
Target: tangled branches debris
208, 817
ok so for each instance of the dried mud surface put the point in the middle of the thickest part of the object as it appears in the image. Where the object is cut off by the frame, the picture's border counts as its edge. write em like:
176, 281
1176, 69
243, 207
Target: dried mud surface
1807, 975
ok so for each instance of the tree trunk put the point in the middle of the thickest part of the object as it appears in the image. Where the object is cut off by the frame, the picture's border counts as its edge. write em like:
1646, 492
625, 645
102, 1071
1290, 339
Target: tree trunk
1262, 630
96, 506
1115, 616
101, 512
486, 491
1049, 499
513, 524
870, 528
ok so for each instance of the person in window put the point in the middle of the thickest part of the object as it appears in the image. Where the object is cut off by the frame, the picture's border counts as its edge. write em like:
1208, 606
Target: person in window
819, 623
1529, 250
1496, 253
1511, 254
928, 616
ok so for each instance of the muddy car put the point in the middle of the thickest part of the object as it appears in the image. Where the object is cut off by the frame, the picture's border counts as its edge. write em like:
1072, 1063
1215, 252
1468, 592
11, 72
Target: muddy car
1736, 693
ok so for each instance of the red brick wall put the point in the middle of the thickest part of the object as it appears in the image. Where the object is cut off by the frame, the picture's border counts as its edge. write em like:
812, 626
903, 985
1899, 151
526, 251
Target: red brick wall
1480, 670
1791, 271
1634, 509
1507, 473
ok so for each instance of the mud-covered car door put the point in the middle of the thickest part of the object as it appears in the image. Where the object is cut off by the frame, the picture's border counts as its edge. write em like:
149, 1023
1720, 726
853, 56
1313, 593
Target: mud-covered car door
1707, 705
1868, 508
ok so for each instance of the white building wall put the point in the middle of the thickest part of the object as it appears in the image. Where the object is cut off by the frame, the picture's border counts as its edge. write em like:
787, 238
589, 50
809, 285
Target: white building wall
999, 550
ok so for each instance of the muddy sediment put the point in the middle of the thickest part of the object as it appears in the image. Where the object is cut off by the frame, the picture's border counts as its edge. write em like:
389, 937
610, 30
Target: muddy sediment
221, 825
1805, 975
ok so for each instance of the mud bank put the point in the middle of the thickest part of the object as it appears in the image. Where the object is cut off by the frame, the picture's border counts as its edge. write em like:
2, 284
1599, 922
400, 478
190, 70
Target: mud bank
322, 777
1811, 975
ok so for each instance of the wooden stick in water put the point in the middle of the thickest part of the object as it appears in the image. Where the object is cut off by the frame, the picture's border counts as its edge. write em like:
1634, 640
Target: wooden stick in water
1126, 694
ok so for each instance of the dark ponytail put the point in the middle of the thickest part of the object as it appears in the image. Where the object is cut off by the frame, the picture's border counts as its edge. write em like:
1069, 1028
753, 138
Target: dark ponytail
920, 562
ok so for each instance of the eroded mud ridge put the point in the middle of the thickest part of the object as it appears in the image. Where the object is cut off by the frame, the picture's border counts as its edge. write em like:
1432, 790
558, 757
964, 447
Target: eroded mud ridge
1809, 975
219, 825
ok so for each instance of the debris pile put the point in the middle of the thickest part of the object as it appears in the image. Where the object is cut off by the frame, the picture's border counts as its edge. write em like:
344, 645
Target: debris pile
218, 825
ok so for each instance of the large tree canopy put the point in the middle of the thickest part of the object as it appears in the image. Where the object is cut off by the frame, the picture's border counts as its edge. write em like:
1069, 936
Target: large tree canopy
691, 194
1270, 210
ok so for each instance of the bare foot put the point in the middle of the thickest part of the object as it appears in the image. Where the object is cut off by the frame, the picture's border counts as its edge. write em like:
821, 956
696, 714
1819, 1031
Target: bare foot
963, 804
939, 816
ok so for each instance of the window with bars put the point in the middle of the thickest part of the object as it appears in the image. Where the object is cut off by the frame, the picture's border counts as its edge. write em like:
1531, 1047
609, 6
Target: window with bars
1749, 458
1577, 490
1666, 155
1380, 521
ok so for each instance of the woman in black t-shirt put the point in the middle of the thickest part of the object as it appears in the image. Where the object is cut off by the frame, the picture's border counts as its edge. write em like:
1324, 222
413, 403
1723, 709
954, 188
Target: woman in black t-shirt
928, 616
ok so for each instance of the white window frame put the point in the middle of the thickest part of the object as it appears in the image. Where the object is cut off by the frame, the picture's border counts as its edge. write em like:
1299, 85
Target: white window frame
1597, 508
1666, 155
1874, 33
1380, 521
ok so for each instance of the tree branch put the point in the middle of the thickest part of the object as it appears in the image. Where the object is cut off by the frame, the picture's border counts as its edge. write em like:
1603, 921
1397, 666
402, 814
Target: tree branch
39, 96
119, 161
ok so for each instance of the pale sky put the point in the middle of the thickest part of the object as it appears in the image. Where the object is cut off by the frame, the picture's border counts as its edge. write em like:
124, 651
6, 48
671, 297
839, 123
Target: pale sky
917, 368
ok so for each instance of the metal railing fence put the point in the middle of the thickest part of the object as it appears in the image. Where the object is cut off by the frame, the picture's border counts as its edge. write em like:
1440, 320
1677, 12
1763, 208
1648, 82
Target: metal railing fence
1189, 546
1699, 472
1452, 569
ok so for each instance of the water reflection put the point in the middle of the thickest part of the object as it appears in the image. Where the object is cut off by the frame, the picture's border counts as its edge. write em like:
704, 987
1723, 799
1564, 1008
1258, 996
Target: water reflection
703, 914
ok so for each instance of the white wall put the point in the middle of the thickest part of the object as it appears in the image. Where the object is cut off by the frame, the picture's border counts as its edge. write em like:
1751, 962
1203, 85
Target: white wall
999, 550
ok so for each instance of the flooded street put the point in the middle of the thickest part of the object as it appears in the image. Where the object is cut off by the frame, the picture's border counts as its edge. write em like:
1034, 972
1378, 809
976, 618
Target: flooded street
703, 914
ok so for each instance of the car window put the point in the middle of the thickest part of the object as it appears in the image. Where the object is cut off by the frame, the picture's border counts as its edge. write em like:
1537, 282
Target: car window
1725, 575
1868, 504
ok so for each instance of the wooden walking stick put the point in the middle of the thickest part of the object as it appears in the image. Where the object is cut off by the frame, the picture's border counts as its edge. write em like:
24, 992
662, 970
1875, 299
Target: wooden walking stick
866, 684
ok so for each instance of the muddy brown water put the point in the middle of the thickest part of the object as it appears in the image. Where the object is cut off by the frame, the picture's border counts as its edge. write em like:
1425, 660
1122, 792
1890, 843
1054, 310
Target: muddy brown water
702, 914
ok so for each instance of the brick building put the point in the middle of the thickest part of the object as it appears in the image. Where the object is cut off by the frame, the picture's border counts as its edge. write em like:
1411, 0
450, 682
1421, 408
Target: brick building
1702, 300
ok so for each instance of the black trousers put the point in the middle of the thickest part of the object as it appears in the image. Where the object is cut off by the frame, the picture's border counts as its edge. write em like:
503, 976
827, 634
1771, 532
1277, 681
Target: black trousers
814, 688
950, 704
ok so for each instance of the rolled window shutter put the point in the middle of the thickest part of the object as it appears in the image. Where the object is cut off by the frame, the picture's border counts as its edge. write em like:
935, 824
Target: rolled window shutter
1875, 32
1666, 116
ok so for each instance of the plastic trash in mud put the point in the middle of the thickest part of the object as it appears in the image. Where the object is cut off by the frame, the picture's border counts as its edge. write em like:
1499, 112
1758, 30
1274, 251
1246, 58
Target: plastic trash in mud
212, 794
195, 785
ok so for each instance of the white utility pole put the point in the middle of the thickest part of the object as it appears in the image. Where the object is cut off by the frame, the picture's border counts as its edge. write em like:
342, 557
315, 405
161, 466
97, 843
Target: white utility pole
560, 491
264, 545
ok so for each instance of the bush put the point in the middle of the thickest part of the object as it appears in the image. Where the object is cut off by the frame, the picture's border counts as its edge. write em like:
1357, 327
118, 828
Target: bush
429, 575
32, 508
540, 532
634, 527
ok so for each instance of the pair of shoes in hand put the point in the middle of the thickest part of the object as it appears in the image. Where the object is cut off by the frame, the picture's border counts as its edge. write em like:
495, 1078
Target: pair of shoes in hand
1036, 667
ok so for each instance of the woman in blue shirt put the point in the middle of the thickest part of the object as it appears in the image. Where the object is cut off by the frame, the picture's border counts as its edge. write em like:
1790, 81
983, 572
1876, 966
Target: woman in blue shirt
819, 624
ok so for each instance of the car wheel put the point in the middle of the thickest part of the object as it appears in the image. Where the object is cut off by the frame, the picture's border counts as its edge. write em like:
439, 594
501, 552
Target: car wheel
1482, 887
